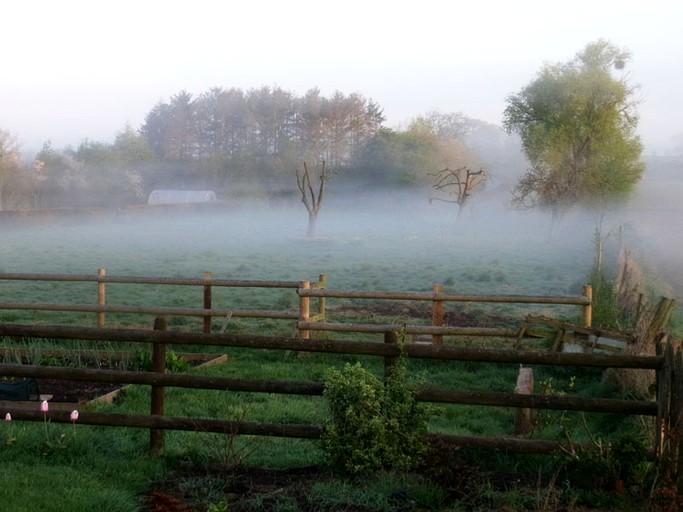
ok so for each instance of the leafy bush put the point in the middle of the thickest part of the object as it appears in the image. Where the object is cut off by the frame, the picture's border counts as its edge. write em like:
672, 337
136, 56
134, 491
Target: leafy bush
629, 455
374, 425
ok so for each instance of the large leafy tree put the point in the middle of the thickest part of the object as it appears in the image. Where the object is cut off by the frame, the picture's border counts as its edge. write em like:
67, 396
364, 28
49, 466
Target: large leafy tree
577, 122
9, 160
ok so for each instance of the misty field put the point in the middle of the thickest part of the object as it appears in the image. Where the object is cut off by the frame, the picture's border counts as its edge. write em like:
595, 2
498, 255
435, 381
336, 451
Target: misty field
397, 245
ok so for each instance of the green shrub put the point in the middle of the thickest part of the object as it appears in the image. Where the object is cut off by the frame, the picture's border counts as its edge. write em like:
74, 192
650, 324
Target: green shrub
629, 455
599, 466
373, 425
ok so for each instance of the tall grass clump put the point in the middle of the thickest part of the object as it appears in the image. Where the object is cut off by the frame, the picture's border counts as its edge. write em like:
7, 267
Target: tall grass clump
606, 311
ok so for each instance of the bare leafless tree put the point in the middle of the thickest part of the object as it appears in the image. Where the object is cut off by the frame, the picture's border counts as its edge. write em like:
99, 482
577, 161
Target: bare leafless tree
458, 184
312, 200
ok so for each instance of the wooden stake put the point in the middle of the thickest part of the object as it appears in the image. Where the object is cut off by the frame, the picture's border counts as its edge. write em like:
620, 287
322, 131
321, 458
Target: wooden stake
101, 296
588, 309
156, 435
525, 386
390, 361
322, 303
304, 309
207, 302
437, 314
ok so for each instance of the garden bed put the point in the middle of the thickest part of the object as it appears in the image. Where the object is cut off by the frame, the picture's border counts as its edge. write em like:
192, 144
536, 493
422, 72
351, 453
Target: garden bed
64, 394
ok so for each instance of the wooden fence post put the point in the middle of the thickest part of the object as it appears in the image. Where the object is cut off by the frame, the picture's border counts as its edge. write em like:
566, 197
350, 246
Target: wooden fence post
322, 302
660, 319
391, 338
669, 432
588, 308
525, 386
156, 435
664, 381
677, 417
207, 301
304, 310
437, 314
101, 296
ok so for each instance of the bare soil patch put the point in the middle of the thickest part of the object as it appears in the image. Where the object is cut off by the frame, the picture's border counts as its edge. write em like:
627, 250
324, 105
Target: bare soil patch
465, 487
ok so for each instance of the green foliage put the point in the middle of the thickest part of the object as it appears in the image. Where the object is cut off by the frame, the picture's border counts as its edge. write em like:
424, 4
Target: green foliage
577, 123
9, 163
175, 363
374, 425
629, 456
606, 311
142, 360
49, 361
221, 506
600, 467
398, 158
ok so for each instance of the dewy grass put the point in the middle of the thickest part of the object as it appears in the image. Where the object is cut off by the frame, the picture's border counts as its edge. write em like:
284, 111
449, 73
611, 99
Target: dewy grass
97, 469
106, 468
70, 489
360, 258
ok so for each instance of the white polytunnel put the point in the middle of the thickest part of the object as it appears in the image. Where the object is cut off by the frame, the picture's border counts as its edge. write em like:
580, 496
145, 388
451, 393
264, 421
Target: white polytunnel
181, 196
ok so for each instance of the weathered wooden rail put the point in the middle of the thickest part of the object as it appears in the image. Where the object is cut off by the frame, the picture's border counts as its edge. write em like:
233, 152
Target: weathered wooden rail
207, 283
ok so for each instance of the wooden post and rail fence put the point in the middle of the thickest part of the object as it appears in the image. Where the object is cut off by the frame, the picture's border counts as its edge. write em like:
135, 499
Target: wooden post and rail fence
666, 411
207, 312
307, 319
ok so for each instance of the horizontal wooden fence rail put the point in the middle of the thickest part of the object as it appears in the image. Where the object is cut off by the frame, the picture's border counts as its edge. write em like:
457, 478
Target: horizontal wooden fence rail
577, 300
452, 353
174, 423
151, 310
103, 278
498, 399
306, 318
207, 282
158, 422
437, 297
498, 332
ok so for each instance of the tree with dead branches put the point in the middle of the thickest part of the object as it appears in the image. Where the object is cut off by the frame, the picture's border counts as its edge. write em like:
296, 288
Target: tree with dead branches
312, 200
458, 184
578, 125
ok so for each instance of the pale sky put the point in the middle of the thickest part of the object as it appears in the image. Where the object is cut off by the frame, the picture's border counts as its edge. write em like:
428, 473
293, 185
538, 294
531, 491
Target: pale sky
77, 69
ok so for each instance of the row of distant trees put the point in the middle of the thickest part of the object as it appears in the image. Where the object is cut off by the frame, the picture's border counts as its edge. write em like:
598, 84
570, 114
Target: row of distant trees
262, 122
576, 122
256, 140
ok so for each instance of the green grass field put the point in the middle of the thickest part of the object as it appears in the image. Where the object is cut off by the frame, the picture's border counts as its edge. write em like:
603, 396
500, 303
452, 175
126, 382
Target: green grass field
87, 468
401, 250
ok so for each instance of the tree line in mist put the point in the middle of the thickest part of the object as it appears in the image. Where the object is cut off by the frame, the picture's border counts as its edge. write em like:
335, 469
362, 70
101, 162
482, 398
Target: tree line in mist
576, 122
255, 141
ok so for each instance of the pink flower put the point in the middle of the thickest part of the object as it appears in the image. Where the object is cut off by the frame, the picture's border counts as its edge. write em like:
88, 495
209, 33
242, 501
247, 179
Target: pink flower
8, 417
44, 407
74, 415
